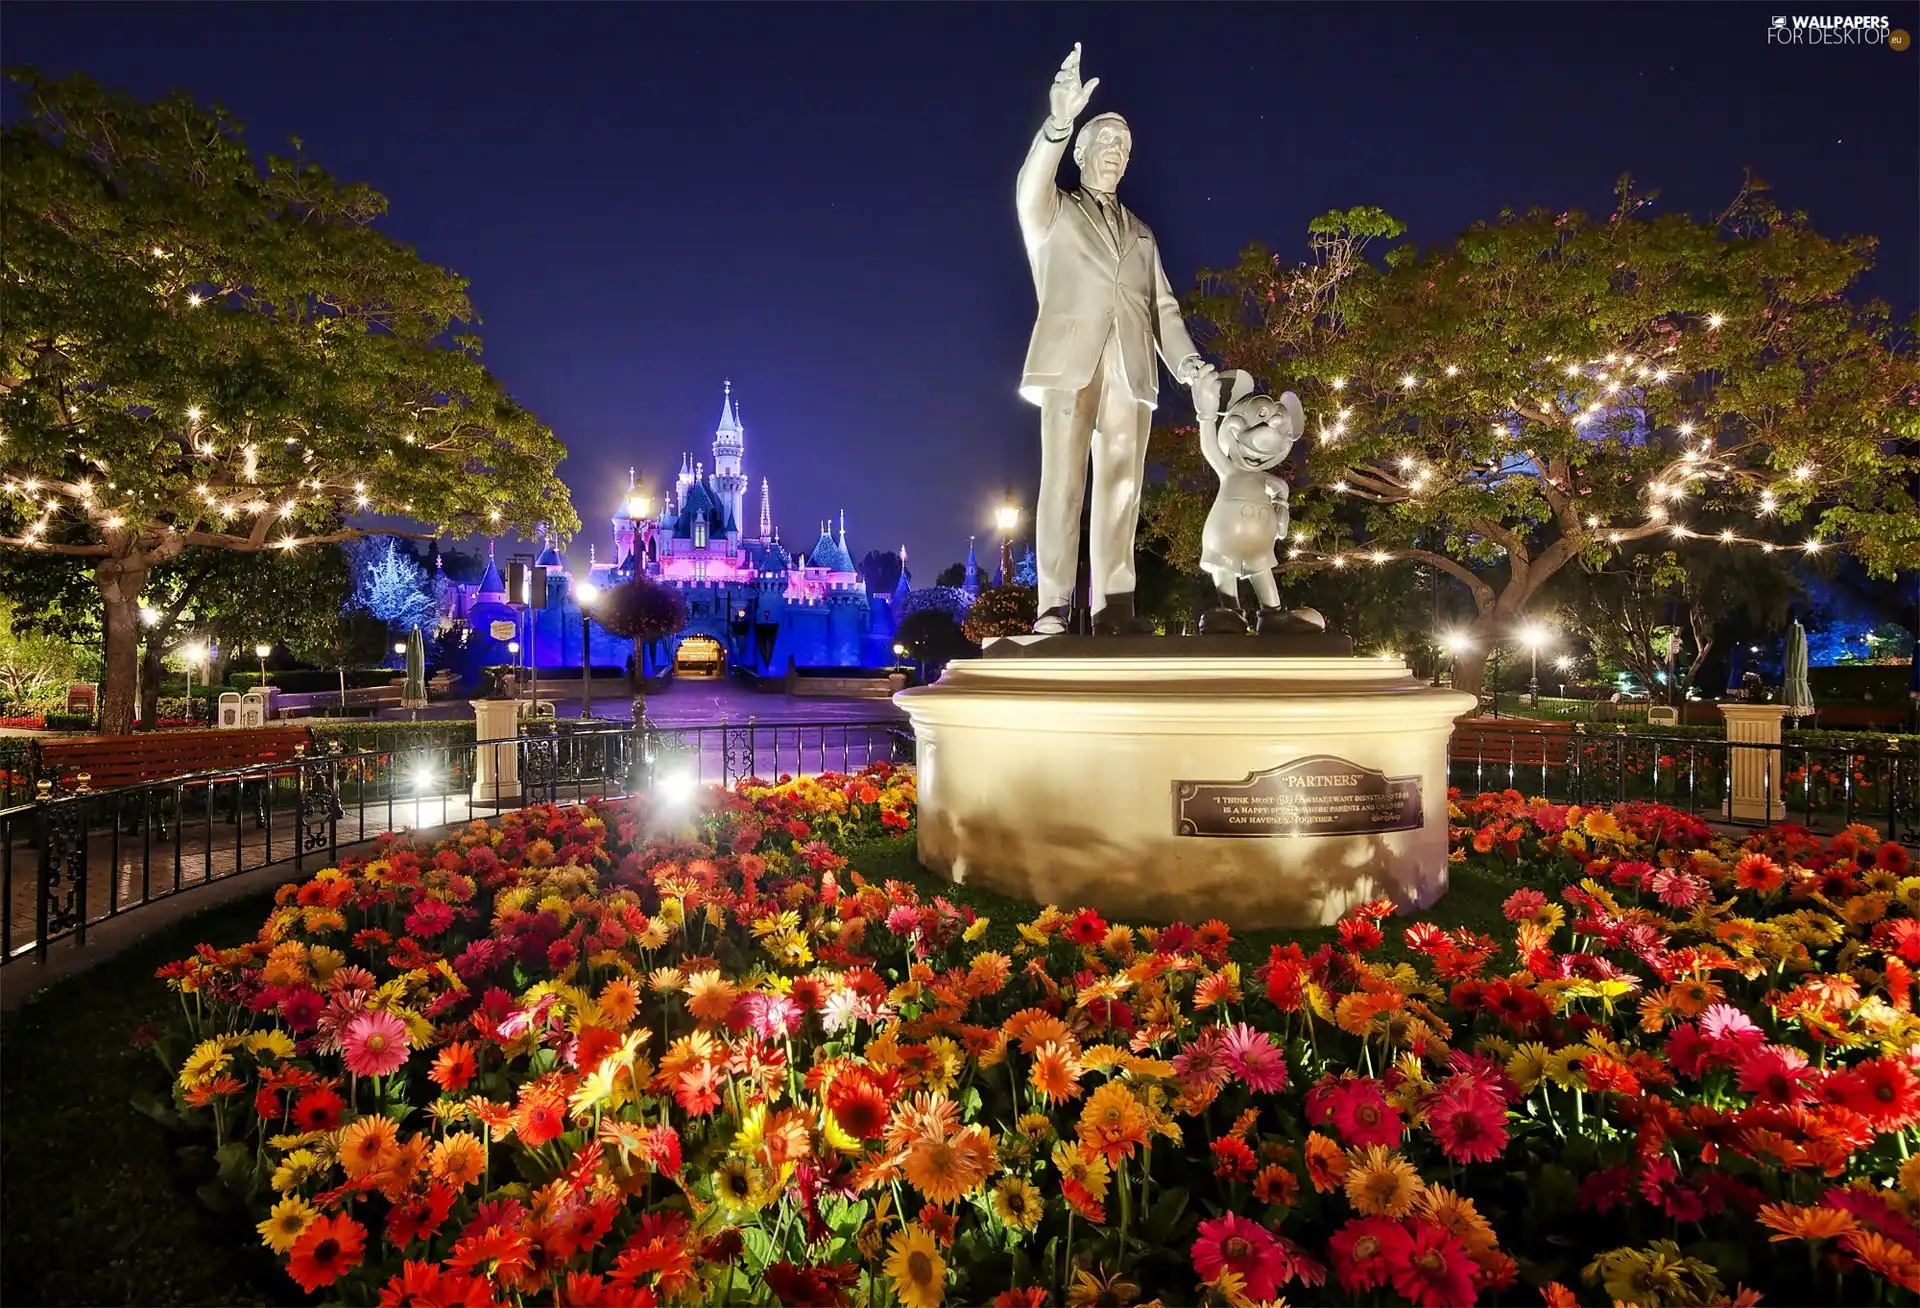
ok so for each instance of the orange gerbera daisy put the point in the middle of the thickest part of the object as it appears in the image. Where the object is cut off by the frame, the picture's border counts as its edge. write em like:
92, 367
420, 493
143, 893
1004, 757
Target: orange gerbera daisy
1056, 1071
710, 996
370, 1144
541, 1117
460, 1159
1691, 996
925, 1116
1326, 1163
328, 1249
453, 1067
943, 1170
1113, 1124
619, 1001
1891, 1260
1033, 1027
1380, 1181
1806, 1222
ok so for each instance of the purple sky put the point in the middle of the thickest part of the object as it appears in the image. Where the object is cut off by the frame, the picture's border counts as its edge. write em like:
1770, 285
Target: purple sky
816, 201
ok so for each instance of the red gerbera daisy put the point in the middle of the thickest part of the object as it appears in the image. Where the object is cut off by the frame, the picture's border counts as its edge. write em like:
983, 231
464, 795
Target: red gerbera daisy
1436, 1271
1367, 1250
318, 1109
1883, 1090
1469, 1124
328, 1249
858, 1105
1234, 1244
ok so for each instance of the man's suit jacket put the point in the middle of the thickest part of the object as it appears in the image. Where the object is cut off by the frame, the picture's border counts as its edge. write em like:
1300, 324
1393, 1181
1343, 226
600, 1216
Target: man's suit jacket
1088, 288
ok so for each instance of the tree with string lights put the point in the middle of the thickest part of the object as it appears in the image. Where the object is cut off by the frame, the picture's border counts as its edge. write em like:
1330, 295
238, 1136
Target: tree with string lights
201, 353
1551, 389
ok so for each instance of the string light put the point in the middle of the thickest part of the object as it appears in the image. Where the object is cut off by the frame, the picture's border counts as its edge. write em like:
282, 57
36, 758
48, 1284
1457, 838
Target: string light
193, 299
1453, 370
1409, 381
1715, 320
193, 414
1339, 383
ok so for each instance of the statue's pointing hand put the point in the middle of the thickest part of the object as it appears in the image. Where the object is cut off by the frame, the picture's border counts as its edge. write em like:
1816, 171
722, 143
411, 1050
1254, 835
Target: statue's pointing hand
1070, 94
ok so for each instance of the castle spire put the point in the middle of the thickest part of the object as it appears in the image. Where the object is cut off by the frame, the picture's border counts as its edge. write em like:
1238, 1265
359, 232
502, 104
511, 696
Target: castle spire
728, 421
843, 529
766, 511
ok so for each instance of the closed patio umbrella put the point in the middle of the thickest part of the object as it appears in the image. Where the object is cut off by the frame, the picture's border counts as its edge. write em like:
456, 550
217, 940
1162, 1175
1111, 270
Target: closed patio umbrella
1795, 693
413, 695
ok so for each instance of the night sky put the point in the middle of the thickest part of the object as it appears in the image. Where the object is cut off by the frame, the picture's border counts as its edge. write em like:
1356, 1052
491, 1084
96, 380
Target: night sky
817, 202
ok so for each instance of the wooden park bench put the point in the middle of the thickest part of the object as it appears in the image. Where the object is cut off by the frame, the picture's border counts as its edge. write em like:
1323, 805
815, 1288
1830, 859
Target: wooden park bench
1503, 749
99, 763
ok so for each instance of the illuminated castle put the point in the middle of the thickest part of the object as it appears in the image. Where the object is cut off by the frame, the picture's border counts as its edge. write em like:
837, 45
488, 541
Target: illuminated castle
750, 603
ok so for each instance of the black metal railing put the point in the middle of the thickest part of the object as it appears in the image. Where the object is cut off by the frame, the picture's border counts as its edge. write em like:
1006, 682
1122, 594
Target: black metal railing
69, 861
1873, 780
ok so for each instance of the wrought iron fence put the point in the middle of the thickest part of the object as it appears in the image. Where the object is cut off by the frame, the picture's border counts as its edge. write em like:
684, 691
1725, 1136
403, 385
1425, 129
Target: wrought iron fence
69, 861
1874, 780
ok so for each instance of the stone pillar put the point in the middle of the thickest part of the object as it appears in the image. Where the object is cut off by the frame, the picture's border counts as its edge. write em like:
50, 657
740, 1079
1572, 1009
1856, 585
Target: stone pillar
496, 770
1755, 794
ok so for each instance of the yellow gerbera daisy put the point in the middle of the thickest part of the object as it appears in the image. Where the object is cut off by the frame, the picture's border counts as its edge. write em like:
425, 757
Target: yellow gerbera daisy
918, 1272
1018, 1203
285, 1222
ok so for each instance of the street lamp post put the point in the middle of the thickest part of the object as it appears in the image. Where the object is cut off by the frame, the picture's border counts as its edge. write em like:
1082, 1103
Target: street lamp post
513, 653
1533, 638
192, 654
263, 649
899, 653
586, 592
1565, 665
1007, 518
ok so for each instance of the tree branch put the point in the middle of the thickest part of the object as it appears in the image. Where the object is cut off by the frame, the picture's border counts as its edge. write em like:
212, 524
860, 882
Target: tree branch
98, 551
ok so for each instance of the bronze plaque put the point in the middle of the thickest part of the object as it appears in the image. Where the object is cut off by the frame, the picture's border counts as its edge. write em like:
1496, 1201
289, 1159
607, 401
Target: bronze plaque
1319, 796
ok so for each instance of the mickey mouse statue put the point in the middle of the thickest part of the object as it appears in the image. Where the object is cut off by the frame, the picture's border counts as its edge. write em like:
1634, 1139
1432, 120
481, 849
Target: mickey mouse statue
1241, 444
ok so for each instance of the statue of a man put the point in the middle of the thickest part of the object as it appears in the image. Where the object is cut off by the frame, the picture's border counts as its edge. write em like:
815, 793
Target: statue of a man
1105, 307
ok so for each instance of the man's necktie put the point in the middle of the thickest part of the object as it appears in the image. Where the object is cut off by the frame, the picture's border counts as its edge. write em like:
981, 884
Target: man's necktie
1110, 212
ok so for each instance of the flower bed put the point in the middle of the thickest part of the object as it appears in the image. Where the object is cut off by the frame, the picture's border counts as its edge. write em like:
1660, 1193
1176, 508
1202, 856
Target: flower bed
588, 1056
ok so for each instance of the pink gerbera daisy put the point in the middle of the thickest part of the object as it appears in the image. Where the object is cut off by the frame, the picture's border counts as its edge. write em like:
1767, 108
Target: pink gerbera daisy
1775, 1075
1362, 1115
1234, 1244
375, 1044
1202, 1062
1469, 1124
1255, 1060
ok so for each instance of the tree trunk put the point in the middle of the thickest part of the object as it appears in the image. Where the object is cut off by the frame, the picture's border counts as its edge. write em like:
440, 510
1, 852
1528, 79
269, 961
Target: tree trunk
121, 582
151, 670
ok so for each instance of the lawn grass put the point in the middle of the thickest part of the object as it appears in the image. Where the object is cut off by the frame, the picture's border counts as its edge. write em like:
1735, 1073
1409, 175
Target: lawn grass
97, 1202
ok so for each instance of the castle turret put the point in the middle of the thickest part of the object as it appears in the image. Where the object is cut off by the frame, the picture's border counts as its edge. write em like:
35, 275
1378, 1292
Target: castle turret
623, 524
972, 584
729, 444
766, 511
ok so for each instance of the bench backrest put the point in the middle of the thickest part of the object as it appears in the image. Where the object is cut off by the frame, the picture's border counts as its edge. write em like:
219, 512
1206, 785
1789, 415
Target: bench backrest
1531, 745
111, 761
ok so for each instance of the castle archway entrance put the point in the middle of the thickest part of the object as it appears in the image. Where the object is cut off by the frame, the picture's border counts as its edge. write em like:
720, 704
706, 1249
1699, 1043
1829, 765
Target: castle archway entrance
700, 656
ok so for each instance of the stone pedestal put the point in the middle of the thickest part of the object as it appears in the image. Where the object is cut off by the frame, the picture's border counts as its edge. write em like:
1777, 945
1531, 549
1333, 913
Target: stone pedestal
1265, 791
1755, 792
496, 768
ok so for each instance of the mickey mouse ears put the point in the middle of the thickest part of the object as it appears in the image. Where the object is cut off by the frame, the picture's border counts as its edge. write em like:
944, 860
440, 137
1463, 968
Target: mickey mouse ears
1242, 386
